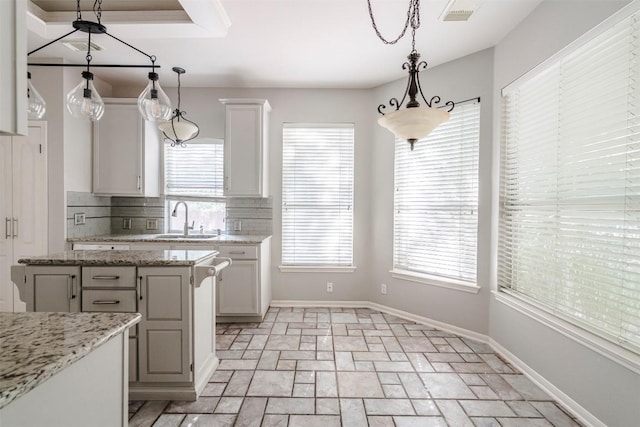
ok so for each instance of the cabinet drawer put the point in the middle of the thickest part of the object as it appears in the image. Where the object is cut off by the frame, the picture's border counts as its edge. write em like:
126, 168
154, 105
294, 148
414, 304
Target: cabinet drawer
108, 277
239, 251
109, 300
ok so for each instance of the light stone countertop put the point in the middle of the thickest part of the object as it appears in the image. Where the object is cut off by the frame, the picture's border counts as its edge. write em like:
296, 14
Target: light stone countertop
126, 257
36, 346
155, 238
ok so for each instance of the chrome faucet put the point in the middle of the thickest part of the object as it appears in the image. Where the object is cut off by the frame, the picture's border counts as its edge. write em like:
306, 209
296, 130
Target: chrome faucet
186, 217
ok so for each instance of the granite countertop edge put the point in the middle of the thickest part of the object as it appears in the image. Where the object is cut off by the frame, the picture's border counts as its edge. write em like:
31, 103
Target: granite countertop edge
45, 363
153, 238
146, 258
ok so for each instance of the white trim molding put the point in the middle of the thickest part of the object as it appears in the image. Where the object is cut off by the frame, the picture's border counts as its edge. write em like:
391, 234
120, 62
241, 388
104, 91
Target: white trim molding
316, 269
466, 333
593, 342
571, 405
456, 285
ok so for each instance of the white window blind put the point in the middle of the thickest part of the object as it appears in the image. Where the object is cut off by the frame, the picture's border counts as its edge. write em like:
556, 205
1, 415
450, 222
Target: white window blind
436, 199
570, 184
194, 170
317, 194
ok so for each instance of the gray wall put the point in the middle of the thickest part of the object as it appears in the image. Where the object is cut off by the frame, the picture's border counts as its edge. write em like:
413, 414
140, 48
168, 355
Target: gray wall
468, 77
607, 389
300, 105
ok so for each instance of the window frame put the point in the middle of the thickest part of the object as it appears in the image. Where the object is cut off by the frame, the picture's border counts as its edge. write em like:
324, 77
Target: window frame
304, 267
589, 335
426, 277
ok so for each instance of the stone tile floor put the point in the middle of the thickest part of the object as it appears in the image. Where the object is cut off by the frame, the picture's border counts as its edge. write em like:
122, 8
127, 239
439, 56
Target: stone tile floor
346, 367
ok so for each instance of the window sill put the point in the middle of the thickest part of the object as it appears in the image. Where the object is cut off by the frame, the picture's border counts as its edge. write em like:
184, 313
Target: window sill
435, 281
315, 269
606, 348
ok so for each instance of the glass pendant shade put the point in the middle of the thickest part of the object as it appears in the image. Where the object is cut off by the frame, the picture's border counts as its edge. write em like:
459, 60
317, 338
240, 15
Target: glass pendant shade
36, 107
179, 131
153, 102
413, 124
84, 101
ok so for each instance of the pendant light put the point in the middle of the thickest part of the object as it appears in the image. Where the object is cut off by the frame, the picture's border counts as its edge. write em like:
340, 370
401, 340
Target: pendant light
179, 130
36, 107
153, 102
84, 101
413, 122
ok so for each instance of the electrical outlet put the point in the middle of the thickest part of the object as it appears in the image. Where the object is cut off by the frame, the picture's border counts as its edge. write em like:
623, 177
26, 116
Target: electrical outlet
329, 287
79, 219
383, 288
126, 223
152, 224
237, 225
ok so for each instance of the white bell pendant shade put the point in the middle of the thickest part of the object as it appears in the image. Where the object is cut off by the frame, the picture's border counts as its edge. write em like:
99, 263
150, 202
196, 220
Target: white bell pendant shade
415, 123
36, 107
179, 131
153, 102
84, 102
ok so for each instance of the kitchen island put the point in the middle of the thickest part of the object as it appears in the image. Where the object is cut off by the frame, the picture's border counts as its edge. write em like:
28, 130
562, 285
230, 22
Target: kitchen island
64, 368
172, 350
243, 293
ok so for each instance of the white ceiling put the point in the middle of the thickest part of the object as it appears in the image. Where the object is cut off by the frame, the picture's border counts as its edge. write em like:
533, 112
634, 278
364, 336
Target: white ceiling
274, 43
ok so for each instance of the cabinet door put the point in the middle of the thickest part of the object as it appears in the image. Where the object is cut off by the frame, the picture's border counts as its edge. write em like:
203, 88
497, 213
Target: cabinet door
243, 150
53, 288
164, 334
30, 192
6, 215
238, 289
117, 151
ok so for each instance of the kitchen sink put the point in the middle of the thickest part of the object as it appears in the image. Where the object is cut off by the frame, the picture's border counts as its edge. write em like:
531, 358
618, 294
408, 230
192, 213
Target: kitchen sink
182, 236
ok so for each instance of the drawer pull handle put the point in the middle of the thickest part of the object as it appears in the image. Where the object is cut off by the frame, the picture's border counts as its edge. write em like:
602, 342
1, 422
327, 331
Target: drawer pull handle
106, 302
73, 287
237, 252
105, 277
7, 226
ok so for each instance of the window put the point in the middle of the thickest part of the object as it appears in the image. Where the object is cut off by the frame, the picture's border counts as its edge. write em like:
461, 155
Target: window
194, 174
436, 201
317, 194
570, 186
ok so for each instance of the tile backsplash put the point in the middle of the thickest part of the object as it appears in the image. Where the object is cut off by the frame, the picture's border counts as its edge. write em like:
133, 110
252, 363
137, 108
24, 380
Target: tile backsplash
96, 211
252, 215
138, 215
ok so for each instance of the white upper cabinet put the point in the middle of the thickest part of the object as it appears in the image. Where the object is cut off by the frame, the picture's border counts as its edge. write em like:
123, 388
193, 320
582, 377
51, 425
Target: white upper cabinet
13, 67
246, 148
126, 152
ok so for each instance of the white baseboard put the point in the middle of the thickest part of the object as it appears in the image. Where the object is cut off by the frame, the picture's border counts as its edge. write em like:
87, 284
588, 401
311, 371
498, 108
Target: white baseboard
571, 405
385, 309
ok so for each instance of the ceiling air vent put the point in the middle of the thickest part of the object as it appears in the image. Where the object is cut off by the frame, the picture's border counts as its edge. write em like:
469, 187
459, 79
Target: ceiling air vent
81, 45
460, 10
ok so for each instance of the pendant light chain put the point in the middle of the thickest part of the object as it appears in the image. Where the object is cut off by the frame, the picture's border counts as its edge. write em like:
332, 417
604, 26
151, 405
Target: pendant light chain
97, 10
413, 19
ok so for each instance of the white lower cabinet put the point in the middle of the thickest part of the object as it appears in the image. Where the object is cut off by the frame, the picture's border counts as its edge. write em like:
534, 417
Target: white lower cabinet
238, 289
244, 288
53, 288
164, 352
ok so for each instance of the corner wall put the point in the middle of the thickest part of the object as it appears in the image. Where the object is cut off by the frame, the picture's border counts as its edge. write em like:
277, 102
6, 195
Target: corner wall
606, 389
459, 80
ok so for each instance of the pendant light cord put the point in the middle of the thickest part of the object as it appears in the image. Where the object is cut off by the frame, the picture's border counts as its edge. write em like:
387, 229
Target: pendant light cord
413, 20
